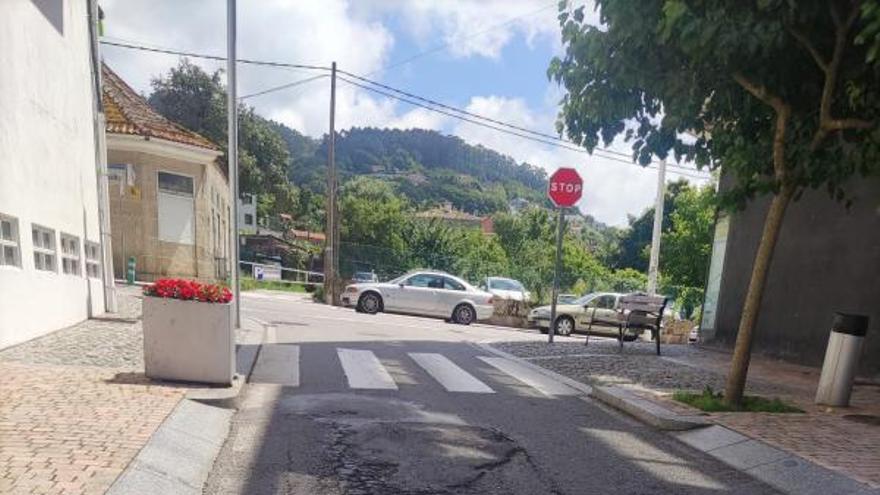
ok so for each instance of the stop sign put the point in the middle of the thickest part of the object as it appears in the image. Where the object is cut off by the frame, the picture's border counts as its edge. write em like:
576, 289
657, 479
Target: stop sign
565, 187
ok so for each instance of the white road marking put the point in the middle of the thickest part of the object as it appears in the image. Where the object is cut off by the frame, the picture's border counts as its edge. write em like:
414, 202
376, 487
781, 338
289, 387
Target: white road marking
278, 364
530, 377
363, 370
449, 374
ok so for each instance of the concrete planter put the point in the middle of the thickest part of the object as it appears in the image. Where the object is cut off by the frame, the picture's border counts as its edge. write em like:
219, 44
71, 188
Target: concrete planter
188, 340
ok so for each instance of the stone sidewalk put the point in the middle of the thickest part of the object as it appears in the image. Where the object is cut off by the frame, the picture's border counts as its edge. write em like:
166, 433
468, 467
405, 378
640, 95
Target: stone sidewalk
846, 440
75, 407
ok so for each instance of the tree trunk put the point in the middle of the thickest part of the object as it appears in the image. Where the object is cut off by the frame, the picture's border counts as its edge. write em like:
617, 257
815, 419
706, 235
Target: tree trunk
739, 368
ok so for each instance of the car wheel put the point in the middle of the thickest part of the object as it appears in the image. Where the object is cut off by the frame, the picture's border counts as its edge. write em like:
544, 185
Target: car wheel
464, 314
564, 325
370, 303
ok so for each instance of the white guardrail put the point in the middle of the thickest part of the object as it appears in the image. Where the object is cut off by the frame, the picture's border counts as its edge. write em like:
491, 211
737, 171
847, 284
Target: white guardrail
262, 271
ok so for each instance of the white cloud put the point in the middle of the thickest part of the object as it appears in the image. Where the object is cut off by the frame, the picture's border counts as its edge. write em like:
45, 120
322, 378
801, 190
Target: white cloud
612, 189
353, 34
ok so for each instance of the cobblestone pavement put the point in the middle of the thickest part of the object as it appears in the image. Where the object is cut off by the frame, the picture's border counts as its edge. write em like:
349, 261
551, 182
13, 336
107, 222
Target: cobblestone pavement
830, 437
114, 341
75, 407
638, 366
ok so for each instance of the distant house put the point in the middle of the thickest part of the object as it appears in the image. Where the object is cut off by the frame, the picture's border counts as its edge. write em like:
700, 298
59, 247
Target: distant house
305, 235
827, 259
516, 205
50, 251
449, 215
169, 198
247, 214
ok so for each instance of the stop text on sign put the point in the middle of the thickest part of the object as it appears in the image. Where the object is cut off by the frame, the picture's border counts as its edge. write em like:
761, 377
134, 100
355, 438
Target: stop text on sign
565, 187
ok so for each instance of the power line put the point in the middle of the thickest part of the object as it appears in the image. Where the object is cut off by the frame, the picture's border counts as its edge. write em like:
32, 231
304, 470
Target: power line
493, 121
284, 86
413, 99
555, 143
212, 57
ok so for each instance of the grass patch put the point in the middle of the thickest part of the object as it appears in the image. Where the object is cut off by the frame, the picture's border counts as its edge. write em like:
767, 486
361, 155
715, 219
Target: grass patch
248, 283
711, 401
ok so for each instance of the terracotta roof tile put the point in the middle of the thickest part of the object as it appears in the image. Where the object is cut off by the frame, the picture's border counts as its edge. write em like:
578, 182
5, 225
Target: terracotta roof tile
128, 113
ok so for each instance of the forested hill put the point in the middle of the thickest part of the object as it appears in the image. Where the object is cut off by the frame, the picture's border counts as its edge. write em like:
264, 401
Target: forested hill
428, 167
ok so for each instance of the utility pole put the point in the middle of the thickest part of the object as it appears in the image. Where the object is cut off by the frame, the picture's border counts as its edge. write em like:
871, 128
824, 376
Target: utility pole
100, 131
331, 243
654, 262
232, 153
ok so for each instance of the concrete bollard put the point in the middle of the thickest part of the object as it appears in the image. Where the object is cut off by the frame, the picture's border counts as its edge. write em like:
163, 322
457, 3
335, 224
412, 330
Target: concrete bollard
841, 359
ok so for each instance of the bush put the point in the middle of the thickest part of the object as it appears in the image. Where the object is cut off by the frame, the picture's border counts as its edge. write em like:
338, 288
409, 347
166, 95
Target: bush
318, 294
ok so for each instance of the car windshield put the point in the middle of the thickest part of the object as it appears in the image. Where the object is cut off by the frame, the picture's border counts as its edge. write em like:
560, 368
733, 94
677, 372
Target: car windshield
363, 276
585, 299
505, 284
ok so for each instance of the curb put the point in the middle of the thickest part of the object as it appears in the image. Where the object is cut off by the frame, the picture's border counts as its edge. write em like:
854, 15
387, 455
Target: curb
582, 387
647, 411
250, 342
780, 469
180, 454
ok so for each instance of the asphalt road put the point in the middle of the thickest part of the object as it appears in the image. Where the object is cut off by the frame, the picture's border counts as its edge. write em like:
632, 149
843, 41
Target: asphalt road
344, 403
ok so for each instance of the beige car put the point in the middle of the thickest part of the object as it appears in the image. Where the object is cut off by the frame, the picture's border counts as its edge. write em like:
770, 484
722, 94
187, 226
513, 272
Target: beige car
598, 308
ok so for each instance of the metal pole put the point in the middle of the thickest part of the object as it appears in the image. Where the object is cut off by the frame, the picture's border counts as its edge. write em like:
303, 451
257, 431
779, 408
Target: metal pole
559, 229
331, 243
100, 130
232, 153
658, 227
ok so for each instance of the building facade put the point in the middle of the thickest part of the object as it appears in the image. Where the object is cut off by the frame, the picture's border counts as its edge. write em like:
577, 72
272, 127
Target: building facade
827, 260
169, 198
50, 256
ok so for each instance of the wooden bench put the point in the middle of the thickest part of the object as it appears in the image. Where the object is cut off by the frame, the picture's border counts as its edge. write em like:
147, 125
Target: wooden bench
636, 311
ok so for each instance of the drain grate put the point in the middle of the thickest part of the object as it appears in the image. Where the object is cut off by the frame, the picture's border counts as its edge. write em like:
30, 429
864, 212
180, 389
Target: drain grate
865, 419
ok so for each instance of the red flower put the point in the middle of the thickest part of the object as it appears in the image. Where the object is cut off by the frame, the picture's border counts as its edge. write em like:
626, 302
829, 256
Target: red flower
188, 290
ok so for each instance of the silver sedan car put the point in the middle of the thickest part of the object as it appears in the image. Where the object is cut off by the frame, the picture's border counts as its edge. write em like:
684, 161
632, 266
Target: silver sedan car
426, 293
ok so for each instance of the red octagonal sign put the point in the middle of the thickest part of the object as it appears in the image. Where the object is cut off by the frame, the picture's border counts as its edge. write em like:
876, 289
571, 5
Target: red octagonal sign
565, 187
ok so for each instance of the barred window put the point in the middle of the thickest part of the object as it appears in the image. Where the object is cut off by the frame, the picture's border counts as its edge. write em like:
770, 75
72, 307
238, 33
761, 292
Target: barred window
93, 259
10, 249
44, 248
70, 259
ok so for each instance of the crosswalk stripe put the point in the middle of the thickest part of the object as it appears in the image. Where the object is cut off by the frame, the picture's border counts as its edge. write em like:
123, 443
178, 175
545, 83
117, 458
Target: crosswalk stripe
449, 374
363, 370
277, 364
530, 377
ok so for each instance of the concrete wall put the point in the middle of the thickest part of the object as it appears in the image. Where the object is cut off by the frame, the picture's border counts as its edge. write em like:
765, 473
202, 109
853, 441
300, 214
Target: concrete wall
134, 210
245, 209
47, 161
827, 259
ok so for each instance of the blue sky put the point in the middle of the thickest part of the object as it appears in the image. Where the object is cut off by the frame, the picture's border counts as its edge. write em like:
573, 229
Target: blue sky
493, 62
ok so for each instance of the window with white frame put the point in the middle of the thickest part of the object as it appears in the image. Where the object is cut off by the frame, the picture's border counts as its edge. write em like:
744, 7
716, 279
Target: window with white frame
70, 254
10, 248
93, 259
176, 208
44, 248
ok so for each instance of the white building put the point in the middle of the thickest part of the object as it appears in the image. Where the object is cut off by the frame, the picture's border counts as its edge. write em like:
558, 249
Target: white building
247, 214
50, 254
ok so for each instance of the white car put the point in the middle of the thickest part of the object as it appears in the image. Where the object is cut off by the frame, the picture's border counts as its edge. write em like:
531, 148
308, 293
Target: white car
426, 293
506, 288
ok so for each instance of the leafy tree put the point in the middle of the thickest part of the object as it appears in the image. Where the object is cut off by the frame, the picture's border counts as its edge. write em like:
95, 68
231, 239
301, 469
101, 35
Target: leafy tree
780, 93
197, 100
374, 227
635, 241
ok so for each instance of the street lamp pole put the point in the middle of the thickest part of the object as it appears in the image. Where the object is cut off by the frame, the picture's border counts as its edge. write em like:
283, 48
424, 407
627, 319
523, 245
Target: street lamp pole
232, 154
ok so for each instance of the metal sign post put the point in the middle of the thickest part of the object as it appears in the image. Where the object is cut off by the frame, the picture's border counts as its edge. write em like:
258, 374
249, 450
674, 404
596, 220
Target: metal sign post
560, 227
564, 189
